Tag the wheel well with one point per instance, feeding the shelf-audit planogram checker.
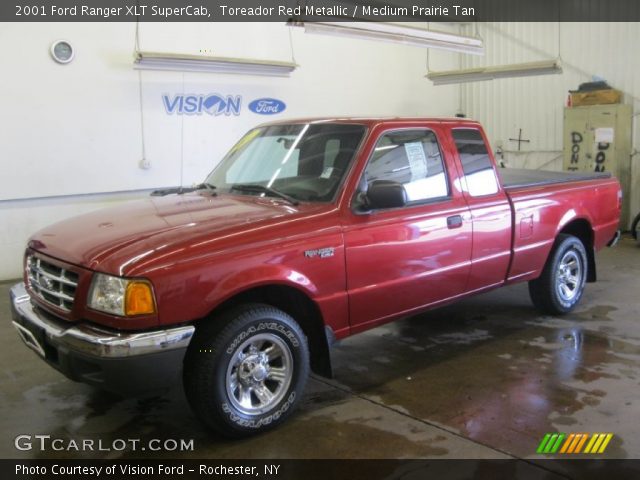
(581, 229)
(303, 310)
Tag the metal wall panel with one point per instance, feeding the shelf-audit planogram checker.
(535, 104)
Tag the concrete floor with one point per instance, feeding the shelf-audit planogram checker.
(485, 378)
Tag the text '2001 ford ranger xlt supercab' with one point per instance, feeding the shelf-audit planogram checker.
(306, 232)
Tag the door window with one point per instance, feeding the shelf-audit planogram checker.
(413, 159)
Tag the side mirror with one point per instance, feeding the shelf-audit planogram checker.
(385, 194)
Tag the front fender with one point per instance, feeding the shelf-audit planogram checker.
(260, 276)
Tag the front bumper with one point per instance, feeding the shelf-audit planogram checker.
(121, 362)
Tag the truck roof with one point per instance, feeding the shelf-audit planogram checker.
(371, 121)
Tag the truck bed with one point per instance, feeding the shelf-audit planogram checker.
(519, 177)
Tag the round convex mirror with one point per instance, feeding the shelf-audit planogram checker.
(62, 51)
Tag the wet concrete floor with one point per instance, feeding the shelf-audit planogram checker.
(484, 378)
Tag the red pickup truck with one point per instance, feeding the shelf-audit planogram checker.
(306, 232)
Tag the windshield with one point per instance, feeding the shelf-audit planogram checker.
(306, 162)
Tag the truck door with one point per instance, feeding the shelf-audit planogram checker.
(490, 210)
(401, 259)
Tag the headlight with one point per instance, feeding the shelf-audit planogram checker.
(121, 296)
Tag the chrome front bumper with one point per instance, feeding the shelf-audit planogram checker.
(122, 362)
(91, 340)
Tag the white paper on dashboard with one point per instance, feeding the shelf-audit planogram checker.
(417, 160)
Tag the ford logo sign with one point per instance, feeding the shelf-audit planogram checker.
(267, 106)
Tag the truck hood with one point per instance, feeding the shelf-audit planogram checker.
(112, 240)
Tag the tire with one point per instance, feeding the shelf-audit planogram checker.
(560, 286)
(634, 226)
(245, 371)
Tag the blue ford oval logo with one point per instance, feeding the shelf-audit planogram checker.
(267, 106)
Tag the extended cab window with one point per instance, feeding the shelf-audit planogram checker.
(476, 164)
(412, 158)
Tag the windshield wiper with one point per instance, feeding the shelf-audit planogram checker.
(255, 188)
(180, 190)
(206, 186)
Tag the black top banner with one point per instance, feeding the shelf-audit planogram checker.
(320, 10)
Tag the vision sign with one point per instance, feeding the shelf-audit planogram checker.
(212, 104)
(215, 104)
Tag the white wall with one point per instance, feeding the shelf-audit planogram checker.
(70, 136)
(536, 104)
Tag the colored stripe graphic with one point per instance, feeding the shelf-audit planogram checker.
(581, 442)
(543, 443)
(593, 439)
(551, 443)
(567, 443)
(606, 441)
(600, 443)
(558, 443)
(574, 443)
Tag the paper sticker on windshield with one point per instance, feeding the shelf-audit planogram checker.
(417, 160)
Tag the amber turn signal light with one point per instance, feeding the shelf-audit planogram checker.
(139, 299)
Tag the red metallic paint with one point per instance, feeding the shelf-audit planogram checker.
(492, 223)
(400, 260)
(551, 208)
(199, 250)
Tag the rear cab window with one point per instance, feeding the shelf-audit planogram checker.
(476, 164)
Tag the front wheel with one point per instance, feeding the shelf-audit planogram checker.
(246, 370)
(561, 284)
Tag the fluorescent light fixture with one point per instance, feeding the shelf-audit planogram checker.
(449, 77)
(209, 64)
(394, 33)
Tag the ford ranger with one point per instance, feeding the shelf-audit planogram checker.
(306, 232)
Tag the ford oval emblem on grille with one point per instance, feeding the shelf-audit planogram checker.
(267, 106)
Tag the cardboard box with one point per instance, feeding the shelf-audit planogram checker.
(596, 97)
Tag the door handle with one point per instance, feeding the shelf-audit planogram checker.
(454, 221)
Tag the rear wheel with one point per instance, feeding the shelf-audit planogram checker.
(561, 284)
(245, 371)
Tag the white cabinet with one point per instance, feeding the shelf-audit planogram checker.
(598, 138)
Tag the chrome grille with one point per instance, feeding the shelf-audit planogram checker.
(52, 283)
